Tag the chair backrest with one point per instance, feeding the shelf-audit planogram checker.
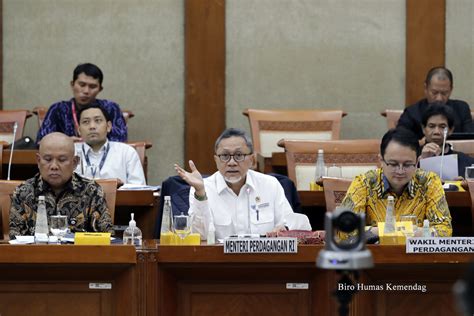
(392, 117)
(464, 146)
(470, 184)
(109, 186)
(7, 120)
(269, 126)
(334, 191)
(6, 191)
(40, 112)
(352, 156)
(141, 148)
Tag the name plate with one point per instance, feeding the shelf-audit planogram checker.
(261, 245)
(440, 245)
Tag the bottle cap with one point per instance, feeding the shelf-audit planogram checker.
(320, 151)
(426, 223)
(41, 198)
(167, 198)
(132, 222)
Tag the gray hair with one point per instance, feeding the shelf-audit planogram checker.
(234, 132)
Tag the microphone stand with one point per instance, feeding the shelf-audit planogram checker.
(445, 135)
(15, 126)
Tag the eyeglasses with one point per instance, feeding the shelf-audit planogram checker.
(238, 157)
(394, 166)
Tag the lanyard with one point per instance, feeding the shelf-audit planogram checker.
(74, 116)
(102, 161)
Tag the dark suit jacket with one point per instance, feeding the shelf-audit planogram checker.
(412, 115)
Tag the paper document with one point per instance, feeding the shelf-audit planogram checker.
(450, 166)
(139, 187)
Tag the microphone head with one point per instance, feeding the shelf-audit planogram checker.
(15, 126)
(445, 132)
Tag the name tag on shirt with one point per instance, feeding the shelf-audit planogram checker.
(261, 245)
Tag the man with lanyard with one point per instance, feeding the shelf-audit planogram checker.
(63, 116)
(416, 192)
(101, 158)
(65, 192)
(237, 200)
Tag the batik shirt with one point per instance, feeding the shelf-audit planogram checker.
(423, 196)
(60, 118)
(82, 200)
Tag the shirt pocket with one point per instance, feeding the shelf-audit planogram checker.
(263, 221)
(223, 225)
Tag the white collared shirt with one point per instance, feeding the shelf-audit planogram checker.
(260, 206)
(122, 162)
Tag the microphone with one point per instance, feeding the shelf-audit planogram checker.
(249, 227)
(445, 135)
(15, 126)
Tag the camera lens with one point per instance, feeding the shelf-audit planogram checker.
(346, 221)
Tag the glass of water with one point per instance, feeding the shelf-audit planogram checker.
(58, 226)
(182, 225)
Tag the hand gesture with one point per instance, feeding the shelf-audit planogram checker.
(430, 150)
(193, 178)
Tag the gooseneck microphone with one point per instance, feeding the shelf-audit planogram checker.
(15, 126)
(445, 135)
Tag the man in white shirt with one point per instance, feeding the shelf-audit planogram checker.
(101, 158)
(237, 200)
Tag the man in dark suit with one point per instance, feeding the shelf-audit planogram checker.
(438, 88)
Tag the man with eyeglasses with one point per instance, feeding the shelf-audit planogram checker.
(438, 88)
(235, 199)
(416, 192)
(435, 120)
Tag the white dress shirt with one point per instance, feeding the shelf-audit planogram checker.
(121, 162)
(260, 206)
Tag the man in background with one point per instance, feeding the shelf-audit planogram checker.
(86, 84)
(436, 118)
(101, 158)
(438, 88)
(65, 192)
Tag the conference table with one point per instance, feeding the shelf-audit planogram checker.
(202, 280)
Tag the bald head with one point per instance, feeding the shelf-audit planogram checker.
(56, 160)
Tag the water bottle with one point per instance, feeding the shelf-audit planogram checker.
(132, 234)
(41, 226)
(389, 227)
(426, 228)
(320, 170)
(211, 234)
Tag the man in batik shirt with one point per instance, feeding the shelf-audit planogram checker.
(416, 192)
(65, 192)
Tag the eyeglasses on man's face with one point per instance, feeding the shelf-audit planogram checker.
(395, 166)
(238, 157)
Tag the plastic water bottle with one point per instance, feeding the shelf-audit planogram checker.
(41, 226)
(389, 227)
(426, 228)
(320, 170)
(132, 234)
(211, 234)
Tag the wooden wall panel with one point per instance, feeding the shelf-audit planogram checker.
(204, 80)
(425, 43)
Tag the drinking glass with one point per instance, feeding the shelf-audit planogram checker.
(410, 218)
(469, 173)
(58, 226)
(335, 171)
(182, 225)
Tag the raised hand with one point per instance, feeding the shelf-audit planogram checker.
(192, 178)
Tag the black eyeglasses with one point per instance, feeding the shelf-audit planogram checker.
(394, 166)
(238, 157)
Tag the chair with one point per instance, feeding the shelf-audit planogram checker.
(109, 186)
(40, 112)
(470, 184)
(334, 191)
(6, 191)
(7, 120)
(269, 126)
(141, 148)
(464, 146)
(353, 156)
(392, 117)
